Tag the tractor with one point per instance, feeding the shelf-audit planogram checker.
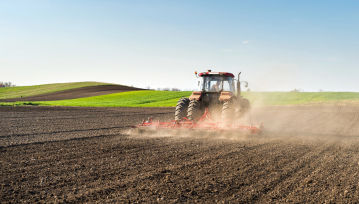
(215, 106)
(217, 96)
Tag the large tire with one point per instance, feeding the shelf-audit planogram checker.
(194, 110)
(244, 106)
(228, 111)
(181, 109)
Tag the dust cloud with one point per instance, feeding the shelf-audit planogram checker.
(322, 123)
(334, 123)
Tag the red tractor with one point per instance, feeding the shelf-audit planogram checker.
(217, 95)
(215, 106)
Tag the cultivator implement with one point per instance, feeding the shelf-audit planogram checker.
(204, 123)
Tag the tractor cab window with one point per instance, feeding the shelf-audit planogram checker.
(217, 83)
(228, 84)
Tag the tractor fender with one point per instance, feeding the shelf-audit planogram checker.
(225, 96)
(196, 95)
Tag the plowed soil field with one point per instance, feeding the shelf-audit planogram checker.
(58, 154)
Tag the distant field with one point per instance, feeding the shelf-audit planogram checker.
(124, 99)
(148, 98)
(24, 91)
(297, 98)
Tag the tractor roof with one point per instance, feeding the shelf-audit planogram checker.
(209, 73)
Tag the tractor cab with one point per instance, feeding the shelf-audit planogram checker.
(216, 82)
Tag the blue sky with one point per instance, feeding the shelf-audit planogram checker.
(278, 45)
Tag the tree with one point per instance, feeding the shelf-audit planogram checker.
(6, 84)
(295, 90)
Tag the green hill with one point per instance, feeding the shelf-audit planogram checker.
(24, 91)
(125, 99)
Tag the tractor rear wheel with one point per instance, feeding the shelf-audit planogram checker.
(244, 107)
(194, 110)
(228, 111)
(181, 109)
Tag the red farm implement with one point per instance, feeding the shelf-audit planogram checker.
(205, 123)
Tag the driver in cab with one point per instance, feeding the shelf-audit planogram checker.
(216, 87)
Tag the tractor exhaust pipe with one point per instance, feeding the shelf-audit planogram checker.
(239, 85)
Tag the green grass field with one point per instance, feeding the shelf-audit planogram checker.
(298, 98)
(124, 99)
(170, 98)
(24, 91)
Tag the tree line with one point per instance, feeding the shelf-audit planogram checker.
(6, 84)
